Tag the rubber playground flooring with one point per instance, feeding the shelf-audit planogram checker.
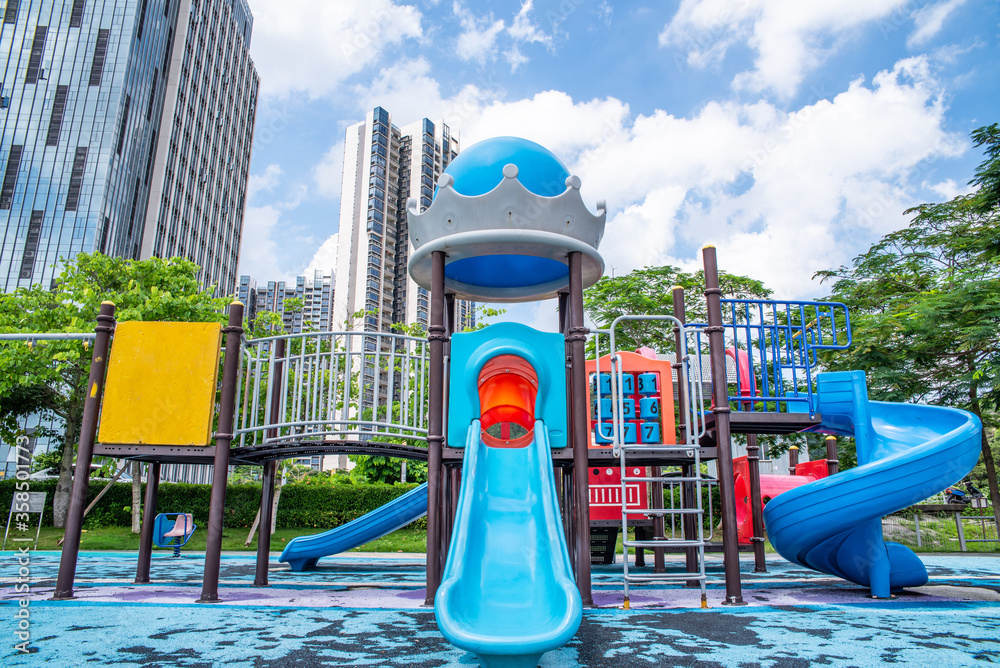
(365, 609)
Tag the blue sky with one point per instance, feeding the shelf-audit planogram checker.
(789, 133)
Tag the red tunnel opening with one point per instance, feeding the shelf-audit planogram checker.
(508, 386)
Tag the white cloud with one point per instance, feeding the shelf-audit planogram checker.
(265, 225)
(479, 35)
(780, 194)
(515, 58)
(523, 30)
(329, 173)
(314, 45)
(929, 20)
(790, 37)
(264, 182)
(325, 258)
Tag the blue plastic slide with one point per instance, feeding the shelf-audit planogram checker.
(303, 552)
(906, 453)
(507, 592)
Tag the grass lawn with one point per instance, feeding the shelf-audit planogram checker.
(121, 538)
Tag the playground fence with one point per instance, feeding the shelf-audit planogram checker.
(942, 532)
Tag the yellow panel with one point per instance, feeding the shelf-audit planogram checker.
(160, 388)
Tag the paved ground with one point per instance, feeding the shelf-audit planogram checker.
(366, 610)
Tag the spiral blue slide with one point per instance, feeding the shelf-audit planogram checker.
(906, 453)
(303, 552)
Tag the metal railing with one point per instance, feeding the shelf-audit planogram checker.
(775, 346)
(333, 385)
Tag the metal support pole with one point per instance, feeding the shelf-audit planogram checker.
(85, 453)
(756, 504)
(264, 533)
(720, 397)
(436, 336)
(577, 338)
(220, 470)
(148, 522)
(961, 530)
(832, 462)
(793, 459)
(270, 474)
(916, 527)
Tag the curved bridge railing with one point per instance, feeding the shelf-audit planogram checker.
(329, 387)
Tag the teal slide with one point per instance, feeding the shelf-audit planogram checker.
(507, 592)
(906, 453)
(303, 552)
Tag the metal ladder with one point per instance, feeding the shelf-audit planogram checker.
(688, 451)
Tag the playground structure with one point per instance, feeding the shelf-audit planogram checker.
(516, 448)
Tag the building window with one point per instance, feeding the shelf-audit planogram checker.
(142, 20)
(124, 123)
(152, 94)
(35, 59)
(31, 245)
(10, 13)
(76, 178)
(55, 121)
(100, 53)
(10, 176)
(76, 14)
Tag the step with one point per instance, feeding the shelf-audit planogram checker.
(665, 577)
(666, 543)
(665, 511)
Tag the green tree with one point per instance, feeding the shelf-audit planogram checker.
(50, 377)
(925, 309)
(648, 291)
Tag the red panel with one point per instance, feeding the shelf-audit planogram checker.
(605, 492)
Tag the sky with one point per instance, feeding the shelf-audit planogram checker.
(791, 134)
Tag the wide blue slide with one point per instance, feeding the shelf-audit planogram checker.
(906, 453)
(507, 592)
(303, 552)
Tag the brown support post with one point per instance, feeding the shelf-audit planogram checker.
(720, 398)
(148, 520)
(270, 474)
(567, 481)
(85, 453)
(756, 504)
(264, 528)
(577, 337)
(220, 470)
(832, 462)
(436, 336)
(793, 459)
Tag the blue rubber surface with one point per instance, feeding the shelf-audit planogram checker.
(507, 591)
(906, 453)
(303, 552)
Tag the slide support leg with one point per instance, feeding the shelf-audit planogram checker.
(148, 520)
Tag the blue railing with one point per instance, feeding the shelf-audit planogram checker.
(774, 346)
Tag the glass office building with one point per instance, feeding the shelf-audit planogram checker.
(127, 129)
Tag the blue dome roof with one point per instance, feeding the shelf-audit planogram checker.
(479, 168)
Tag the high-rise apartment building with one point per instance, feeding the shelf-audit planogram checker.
(127, 128)
(383, 166)
(315, 294)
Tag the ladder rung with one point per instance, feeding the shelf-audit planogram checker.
(664, 543)
(665, 511)
(658, 479)
(663, 577)
(659, 448)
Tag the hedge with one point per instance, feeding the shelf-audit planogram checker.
(300, 505)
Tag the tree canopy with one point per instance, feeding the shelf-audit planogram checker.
(925, 305)
(648, 291)
(49, 377)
